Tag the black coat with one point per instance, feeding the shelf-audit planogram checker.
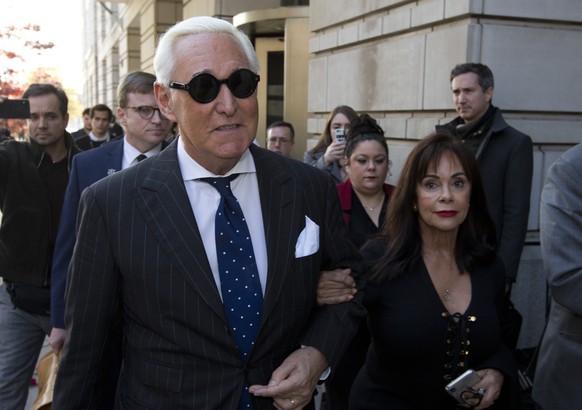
(25, 228)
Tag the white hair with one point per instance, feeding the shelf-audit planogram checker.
(165, 57)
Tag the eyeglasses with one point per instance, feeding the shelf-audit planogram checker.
(204, 87)
(146, 112)
(472, 398)
(281, 141)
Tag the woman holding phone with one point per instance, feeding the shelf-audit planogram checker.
(328, 153)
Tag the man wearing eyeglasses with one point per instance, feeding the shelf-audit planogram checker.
(281, 137)
(145, 131)
(151, 249)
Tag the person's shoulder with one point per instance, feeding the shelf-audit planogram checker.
(573, 155)
(21, 147)
(448, 126)
(79, 133)
(113, 138)
(9, 143)
(82, 138)
(83, 142)
(313, 155)
(567, 165)
(94, 153)
(502, 127)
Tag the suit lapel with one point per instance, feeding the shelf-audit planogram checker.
(277, 192)
(163, 201)
(173, 224)
(114, 155)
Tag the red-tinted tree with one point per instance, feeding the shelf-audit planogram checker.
(15, 44)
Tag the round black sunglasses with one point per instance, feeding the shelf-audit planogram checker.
(205, 87)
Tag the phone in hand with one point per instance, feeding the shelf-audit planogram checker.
(14, 109)
(340, 135)
(463, 384)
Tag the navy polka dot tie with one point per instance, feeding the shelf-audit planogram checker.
(239, 278)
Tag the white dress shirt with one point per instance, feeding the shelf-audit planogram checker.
(204, 200)
(130, 153)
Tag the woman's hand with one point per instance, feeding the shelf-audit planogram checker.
(335, 286)
(491, 381)
(334, 152)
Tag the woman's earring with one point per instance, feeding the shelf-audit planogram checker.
(414, 208)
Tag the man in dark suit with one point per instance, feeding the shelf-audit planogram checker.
(147, 251)
(145, 132)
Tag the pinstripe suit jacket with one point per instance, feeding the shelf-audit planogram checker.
(139, 254)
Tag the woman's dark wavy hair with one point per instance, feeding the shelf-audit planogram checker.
(476, 240)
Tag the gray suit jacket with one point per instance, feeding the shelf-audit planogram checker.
(139, 255)
(558, 377)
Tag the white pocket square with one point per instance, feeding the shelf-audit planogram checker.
(308, 241)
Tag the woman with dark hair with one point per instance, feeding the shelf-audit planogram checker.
(328, 153)
(436, 289)
(364, 197)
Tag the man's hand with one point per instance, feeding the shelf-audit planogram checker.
(57, 339)
(292, 384)
(335, 286)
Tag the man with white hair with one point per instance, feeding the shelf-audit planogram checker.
(210, 252)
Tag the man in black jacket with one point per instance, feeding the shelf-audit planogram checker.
(505, 158)
(33, 178)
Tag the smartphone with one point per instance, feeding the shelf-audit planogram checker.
(340, 135)
(461, 384)
(13, 109)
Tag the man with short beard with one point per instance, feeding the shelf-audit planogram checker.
(33, 178)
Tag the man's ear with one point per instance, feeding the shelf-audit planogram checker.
(489, 93)
(121, 116)
(164, 101)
